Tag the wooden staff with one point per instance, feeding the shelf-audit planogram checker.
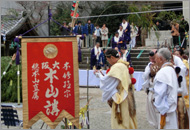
(75, 12)
(88, 92)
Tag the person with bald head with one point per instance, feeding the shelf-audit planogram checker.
(118, 92)
(165, 91)
(148, 77)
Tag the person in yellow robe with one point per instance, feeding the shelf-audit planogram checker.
(118, 91)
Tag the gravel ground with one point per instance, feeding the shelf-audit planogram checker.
(100, 114)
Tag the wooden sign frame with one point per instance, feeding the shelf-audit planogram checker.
(64, 114)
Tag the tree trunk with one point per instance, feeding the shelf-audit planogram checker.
(144, 35)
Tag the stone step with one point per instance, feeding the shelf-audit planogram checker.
(84, 62)
(142, 70)
(142, 55)
(85, 59)
(136, 63)
(85, 55)
(84, 66)
(140, 59)
(139, 67)
(138, 51)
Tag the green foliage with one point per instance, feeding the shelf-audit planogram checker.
(112, 22)
(143, 20)
(8, 90)
(62, 14)
(168, 15)
(134, 17)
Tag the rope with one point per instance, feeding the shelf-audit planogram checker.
(60, 24)
(35, 27)
(107, 15)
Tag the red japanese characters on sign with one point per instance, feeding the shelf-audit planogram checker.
(50, 79)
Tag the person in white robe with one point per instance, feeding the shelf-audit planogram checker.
(165, 91)
(120, 31)
(148, 85)
(95, 53)
(182, 93)
(134, 33)
(179, 63)
(118, 91)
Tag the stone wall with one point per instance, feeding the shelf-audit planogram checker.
(186, 10)
(152, 40)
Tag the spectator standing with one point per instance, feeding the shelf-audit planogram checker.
(175, 32)
(78, 30)
(183, 28)
(134, 32)
(158, 25)
(98, 34)
(104, 33)
(64, 29)
(70, 29)
(88, 31)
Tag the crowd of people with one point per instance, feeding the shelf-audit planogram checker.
(125, 35)
(166, 82)
(167, 86)
(94, 33)
(166, 77)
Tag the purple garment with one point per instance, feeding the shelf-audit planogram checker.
(92, 59)
(16, 40)
(114, 43)
(127, 35)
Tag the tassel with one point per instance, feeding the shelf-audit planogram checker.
(163, 121)
(17, 56)
(16, 40)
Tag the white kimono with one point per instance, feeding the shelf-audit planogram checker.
(179, 63)
(152, 117)
(109, 87)
(120, 32)
(134, 32)
(124, 58)
(96, 50)
(165, 94)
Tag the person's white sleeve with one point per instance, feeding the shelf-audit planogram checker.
(109, 86)
(146, 77)
(119, 98)
(178, 62)
(146, 73)
(160, 95)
